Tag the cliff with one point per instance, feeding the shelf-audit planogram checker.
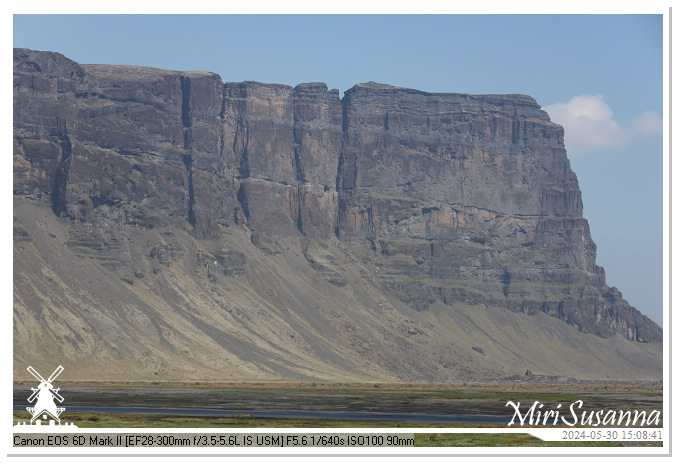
(262, 218)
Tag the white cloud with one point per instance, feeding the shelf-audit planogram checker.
(648, 123)
(589, 124)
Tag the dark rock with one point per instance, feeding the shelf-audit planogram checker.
(450, 198)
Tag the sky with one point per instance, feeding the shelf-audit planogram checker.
(600, 76)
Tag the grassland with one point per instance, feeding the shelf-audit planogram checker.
(104, 420)
(403, 398)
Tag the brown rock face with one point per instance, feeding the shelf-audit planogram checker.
(439, 199)
(283, 145)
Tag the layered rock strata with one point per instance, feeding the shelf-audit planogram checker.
(446, 198)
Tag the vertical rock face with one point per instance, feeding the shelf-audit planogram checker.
(475, 192)
(160, 127)
(494, 153)
(283, 146)
(451, 198)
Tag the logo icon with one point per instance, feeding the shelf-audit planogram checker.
(45, 407)
(46, 394)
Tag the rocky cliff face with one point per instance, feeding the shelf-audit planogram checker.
(442, 202)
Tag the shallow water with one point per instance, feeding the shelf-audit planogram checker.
(442, 406)
(437, 418)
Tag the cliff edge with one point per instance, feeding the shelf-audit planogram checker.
(303, 235)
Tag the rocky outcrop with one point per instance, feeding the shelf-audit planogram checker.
(476, 193)
(446, 198)
(282, 145)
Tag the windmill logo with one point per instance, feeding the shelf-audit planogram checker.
(46, 394)
(45, 407)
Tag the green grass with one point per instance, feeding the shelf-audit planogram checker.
(426, 398)
(106, 420)
(495, 440)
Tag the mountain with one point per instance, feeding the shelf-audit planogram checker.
(169, 225)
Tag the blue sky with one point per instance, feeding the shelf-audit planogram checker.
(601, 76)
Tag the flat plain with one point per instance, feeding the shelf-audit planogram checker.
(462, 400)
